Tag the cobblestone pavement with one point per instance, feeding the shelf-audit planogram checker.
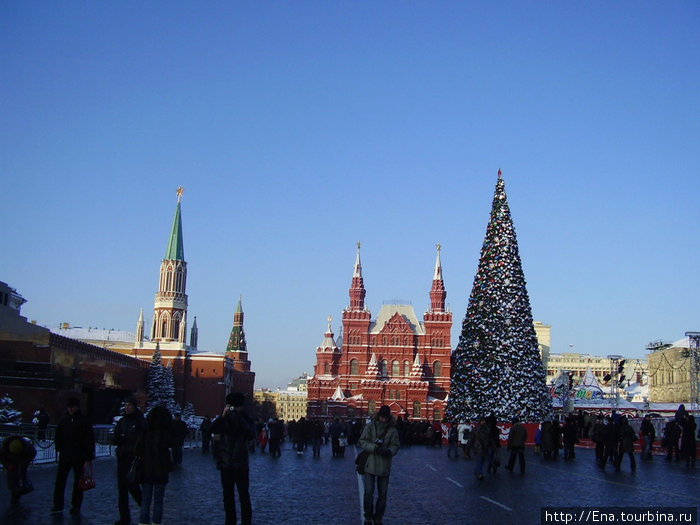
(425, 488)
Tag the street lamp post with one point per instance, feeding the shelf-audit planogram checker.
(615, 361)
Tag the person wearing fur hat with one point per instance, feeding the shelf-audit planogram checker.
(236, 429)
(16, 453)
(381, 441)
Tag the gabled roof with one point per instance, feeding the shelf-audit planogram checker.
(404, 310)
(337, 395)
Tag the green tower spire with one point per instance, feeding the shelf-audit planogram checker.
(176, 248)
(236, 341)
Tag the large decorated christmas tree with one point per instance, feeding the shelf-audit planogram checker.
(496, 366)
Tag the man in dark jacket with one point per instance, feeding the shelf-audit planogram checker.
(179, 433)
(75, 444)
(648, 434)
(125, 434)
(627, 439)
(236, 429)
(516, 445)
(599, 437)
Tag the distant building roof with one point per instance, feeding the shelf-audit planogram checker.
(405, 310)
(95, 334)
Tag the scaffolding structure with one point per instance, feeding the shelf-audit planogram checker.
(693, 366)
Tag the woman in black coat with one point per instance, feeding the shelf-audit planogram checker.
(153, 448)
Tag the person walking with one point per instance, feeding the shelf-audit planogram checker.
(205, 430)
(599, 435)
(381, 441)
(570, 434)
(612, 438)
(16, 453)
(480, 447)
(236, 429)
(153, 448)
(179, 433)
(75, 445)
(516, 444)
(453, 440)
(688, 440)
(126, 431)
(648, 435)
(627, 439)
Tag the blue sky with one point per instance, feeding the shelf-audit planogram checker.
(298, 128)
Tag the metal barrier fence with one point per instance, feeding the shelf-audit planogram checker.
(43, 440)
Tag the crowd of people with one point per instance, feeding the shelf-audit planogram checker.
(148, 449)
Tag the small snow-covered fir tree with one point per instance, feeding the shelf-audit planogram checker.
(9, 415)
(188, 413)
(497, 367)
(160, 389)
(170, 390)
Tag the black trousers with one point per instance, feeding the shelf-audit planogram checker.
(239, 479)
(520, 453)
(124, 487)
(59, 488)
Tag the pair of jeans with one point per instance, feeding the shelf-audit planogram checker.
(479, 467)
(152, 492)
(64, 467)
(238, 478)
(124, 488)
(375, 512)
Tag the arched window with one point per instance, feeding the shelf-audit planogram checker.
(437, 369)
(371, 406)
(437, 416)
(416, 409)
(383, 368)
(164, 327)
(406, 369)
(395, 368)
(178, 285)
(169, 280)
(326, 368)
(354, 368)
(176, 328)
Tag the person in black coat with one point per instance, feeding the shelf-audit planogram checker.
(153, 448)
(648, 434)
(179, 433)
(599, 437)
(612, 439)
(627, 438)
(124, 436)
(236, 429)
(16, 453)
(75, 445)
(570, 437)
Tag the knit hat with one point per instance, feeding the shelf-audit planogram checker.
(235, 399)
(385, 411)
(131, 400)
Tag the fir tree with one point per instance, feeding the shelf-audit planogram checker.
(170, 390)
(496, 367)
(160, 391)
(8, 415)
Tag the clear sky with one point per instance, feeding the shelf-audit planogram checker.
(299, 128)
